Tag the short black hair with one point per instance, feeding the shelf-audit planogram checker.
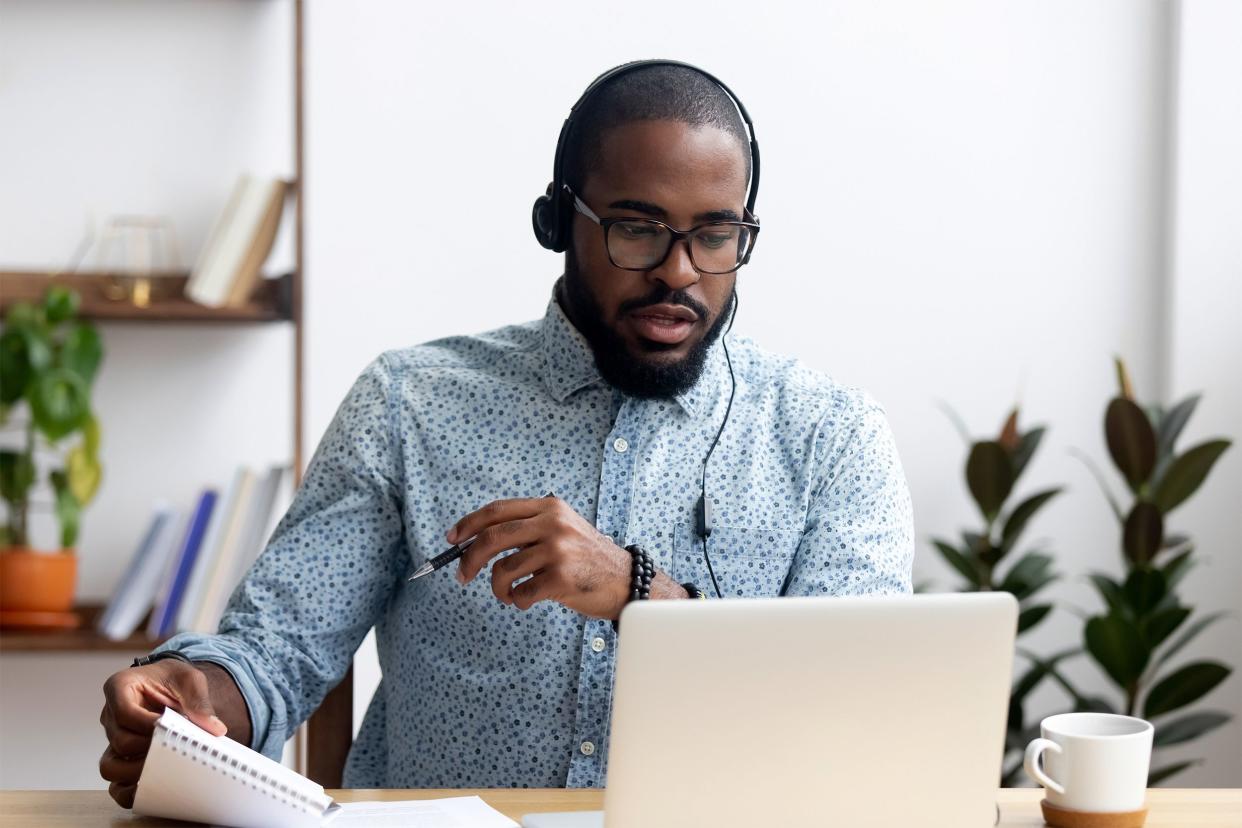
(660, 92)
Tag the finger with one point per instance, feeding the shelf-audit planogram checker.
(542, 586)
(123, 794)
(495, 539)
(122, 769)
(497, 511)
(131, 704)
(516, 567)
(193, 693)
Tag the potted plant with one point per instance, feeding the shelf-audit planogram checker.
(993, 467)
(1144, 623)
(48, 361)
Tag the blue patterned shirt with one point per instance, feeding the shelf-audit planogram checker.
(807, 491)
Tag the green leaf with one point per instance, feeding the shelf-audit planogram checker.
(68, 510)
(959, 424)
(1131, 441)
(1157, 776)
(1171, 424)
(1029, 568)
(989, 474)
(959, 562)
(1177, 567)
(84, 473)
(1111, 592)
(59, 402)
(90, 436)
(1031, 616)
(23, 354)
(1164, 623)
(1026, 449)
(17, 475)
(1143, 531)
(1183, 687)
(82, 351)
(1115, 644)
(1021, 514)
(1144, 589)
(1188, 727)
(60, 303)
(1188, 635)
(1099, 479)
(1040, 667)
(1186, 473)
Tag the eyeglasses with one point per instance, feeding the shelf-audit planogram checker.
(716, 247)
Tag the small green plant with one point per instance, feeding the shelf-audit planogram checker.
(992, 471)
(48, 361)
(1133, 640)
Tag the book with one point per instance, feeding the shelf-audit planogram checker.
(220, 584)
(161, 622)
(189, 774)
(209, 555)
(135, 592)
(230, 264)
(234, 562)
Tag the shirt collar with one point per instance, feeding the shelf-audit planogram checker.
(570, 364)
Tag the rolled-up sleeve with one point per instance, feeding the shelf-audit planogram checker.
(859, 535)
(292, 625)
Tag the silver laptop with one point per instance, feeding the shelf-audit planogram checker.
(879, 711)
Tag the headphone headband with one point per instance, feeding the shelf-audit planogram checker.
(551, 215)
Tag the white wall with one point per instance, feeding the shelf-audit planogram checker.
(962, 201)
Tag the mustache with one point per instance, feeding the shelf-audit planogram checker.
(665, 297)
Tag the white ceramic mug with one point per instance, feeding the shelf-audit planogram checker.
(1094, 762)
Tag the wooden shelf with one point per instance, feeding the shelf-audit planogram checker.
(83, 639)
(272, 302)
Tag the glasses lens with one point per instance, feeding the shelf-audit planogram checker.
(637, 244)
(720, 248)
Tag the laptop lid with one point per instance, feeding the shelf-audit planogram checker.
(811, 711)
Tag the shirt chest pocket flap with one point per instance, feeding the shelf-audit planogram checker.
(747, 562)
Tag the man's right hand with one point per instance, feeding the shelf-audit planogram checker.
(133, 701)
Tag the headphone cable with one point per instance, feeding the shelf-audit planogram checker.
(704, 525)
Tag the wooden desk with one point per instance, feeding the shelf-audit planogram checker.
(1170, 808)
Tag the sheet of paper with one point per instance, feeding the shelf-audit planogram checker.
(455, 812)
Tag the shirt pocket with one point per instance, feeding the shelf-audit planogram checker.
(749, 563)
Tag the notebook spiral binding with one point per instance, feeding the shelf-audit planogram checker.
(198, 751)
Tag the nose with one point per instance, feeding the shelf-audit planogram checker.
(676, 271)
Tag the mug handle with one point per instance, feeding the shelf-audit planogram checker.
(1034, 767)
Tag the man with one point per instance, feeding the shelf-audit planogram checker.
(623, 401)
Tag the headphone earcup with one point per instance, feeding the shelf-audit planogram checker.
(546, 222)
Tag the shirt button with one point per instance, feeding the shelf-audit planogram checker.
(587, 748)
(620, 444)
(598, 645)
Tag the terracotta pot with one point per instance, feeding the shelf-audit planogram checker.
(33, 581)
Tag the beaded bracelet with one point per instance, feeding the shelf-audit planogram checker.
(642, 570)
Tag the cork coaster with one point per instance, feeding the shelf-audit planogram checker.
(1065, 818)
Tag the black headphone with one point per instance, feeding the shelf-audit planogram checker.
(552, 212)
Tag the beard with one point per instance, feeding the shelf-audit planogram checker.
(636, 374)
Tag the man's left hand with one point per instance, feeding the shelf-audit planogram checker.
(566, 558)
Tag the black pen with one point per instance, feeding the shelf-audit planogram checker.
(449, 555)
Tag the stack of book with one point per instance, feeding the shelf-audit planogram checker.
(230, 265)
(188, 563)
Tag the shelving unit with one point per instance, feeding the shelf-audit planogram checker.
(278, 301)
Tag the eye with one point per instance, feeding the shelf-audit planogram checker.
(635, 230)
(717, 237)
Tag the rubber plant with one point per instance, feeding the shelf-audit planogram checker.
(48, 360)
(1145, 624)
(983, 557)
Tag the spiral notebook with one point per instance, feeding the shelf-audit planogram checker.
(192, 775)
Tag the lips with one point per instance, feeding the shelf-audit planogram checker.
(667, 324)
